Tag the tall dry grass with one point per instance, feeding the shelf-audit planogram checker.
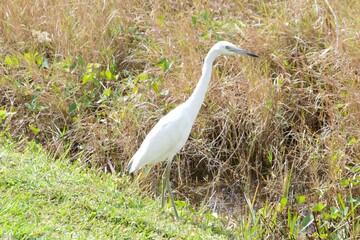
(290, 116)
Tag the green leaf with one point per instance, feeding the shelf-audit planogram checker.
(107, 92)
(86, 78)
(319, 207)
(15, 60)
(80, 61)
(134, 90)
(352, 141)
(300, 199)
(8, 61)
(309, 219)
(205, 35)
(27, 56)
(353, 200)
(340, 105)
(96, 81)
(193, 20)
(44, 63)
(205, 15)
(39, 61)
(141, 77)
(345, 182)
(108, 74)
(72, 107)
(3, 115)
(155, 87)
(72, 66)
(34, 129)
(165, 64)
(55, 88)
(334, 212)
(341, 202)
(355, 169)
(270, 157)
(180, 204)
(283, 201)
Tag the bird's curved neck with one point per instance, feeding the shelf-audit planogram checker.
(197, 97)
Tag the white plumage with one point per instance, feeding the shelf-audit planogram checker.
(169, 135)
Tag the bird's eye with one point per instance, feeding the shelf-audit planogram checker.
(227, 47)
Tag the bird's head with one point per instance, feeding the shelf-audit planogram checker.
(227, 48)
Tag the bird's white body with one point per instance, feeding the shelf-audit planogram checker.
(169, 135)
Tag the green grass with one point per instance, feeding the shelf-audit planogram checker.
(43, 198)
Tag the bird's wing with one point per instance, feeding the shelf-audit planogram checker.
(163, 141)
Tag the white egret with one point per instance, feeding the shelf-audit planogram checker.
(169, 135)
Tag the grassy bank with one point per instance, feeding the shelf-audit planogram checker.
(43, 198)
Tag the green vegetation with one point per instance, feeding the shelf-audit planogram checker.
(59, 200)
(274, 153)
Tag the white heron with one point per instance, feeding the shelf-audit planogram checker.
(169, 135)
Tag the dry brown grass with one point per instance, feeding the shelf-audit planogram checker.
(293, 115)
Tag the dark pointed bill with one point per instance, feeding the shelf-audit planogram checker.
(241, 51)
(251, 54)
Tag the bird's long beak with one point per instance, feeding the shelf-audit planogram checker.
(241, 51)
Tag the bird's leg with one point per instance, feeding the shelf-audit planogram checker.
(166, 183)
(172, 199)
(165, 176)
(163, 189)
